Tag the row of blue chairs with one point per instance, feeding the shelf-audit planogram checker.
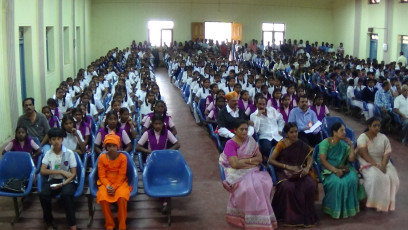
(166, 174)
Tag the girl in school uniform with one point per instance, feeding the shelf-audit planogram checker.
(160, 108)
(53, 105)
(245, 103)
(112, 124)
(292, 96)
(229, 86)
(275, 100)
(126, 122)
(285, 108)
(82, 125)
(211, 97)
(52, 120)
(156, 91)
(265, 92)
(204, 91)
(157, 138)
(319, 107)
(85, 118)
(92, 98)
(147, 105)
(220, 93)
(64, 102)
(74, 140)
(22, 142)
(212, 116)
(90, 108)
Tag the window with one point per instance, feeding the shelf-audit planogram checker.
(373, 1)
(49, 46)
(273, 33)
(160, 32)
(218, 31)
(66, 45)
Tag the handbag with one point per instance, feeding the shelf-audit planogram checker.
(14, 185)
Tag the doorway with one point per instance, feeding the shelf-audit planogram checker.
(160, 33)
(218, 31)
(404, 45)
(373, 46)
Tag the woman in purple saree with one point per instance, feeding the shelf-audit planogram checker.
(249, 205)
(294, 197)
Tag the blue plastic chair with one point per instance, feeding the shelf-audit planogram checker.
(329, 121)
(222, 173)
(271, 169)
(131, 175)
(17, 165)
(316, 165)
(186, 93)
(80, 178)
(167, 174)
(200, 110)
(215, 137)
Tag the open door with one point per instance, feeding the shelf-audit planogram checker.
(197, 30)
(236, 31)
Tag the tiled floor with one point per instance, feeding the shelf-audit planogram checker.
(205, 207)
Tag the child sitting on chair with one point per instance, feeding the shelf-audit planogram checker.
(112, 184)
(158, 138)
(60, 165)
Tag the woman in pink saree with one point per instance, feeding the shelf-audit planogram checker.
(249, 205)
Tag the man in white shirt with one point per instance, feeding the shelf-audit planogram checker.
(402, 59)
(271, 129)
(247, 55)
(401, 107)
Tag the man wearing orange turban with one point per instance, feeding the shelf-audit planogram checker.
(112, 184)
(228, 115)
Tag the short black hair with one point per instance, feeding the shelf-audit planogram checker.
(56, 132)
(28, 98)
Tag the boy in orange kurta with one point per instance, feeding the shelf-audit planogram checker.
(112, 183)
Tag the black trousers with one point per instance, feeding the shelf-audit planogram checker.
(67, 197)
(265, 146)
(310, 138)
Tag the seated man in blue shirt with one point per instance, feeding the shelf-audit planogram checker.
(305, 118)
(383, 100)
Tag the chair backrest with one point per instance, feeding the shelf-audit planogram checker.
(16, 164)
(316, 165)
(35, 139)
(80, 177)
(328, 122)
(131, 175)
(168, 164)
(271, 169)
(201, 105)
(357, 94)
(222, 173)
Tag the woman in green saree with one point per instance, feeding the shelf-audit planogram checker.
(340, 181)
